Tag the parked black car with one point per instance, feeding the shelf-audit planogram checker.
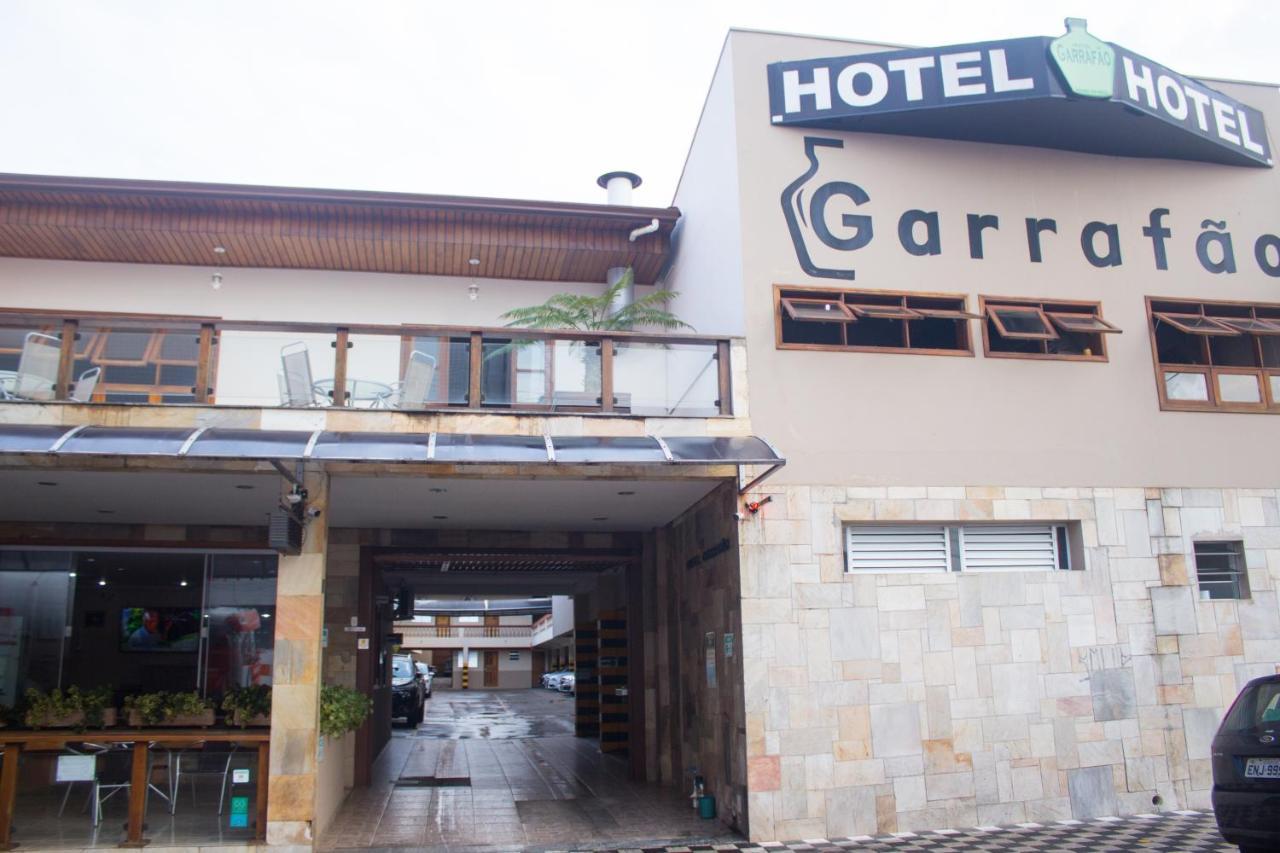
(1246, 768)
(408, 696)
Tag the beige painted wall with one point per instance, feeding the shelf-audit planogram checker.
(859, 418)
(320, 296)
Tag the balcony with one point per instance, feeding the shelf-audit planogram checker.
(421, 636)
(205, 361)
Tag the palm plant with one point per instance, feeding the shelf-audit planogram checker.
(596, 314)
(587, 313)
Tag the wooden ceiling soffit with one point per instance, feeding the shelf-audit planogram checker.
(170, 223)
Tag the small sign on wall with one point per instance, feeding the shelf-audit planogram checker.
(239, 817)
(240, 776)
(709, 647)
(728, 646)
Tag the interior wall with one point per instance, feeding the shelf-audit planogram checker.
(695, 683)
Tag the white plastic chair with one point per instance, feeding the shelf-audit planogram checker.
(37, 377)
(82, 391)
(299, 388)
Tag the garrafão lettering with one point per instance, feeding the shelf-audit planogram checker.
(920, 232)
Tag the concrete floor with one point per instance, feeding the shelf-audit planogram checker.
(501, 770)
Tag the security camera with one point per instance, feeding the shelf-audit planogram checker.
(313, 512)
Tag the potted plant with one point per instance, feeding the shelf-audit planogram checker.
(248, 706)
(169, 709)
(342, 710)
(71, 708)
(595, 314)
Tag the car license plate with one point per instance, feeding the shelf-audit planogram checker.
(1262, 768)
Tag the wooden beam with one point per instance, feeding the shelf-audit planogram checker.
(204, 365)
(137, 795)
(725, 377)
(66, 360)
(341, 343)
(260, 807)
(606, 375)
(477, 361)
(8, 793)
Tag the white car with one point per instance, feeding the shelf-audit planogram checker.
(428, 674)
(567, 683)
(551, 680)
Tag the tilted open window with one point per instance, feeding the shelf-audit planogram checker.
(873, 321)
(1216, 356)
(1018, 328)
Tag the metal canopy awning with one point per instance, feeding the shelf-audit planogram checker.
(383, 447)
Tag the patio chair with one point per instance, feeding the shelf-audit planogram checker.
(201, 760)
(37, 376)
(113, 773)
(299, 387)
(413, 391)
(82, 391)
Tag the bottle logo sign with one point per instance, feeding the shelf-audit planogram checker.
(1086, 62)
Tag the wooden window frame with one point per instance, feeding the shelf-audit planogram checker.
(1270, 316)
(850, 296)
(1049, 333)
(789, 304)
(1063, 321)
(1047, 308)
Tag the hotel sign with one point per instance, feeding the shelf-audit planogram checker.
(1075, 92)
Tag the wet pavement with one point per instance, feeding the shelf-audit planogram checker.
(492, 770)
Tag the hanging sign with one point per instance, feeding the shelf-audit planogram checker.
(1075, 92)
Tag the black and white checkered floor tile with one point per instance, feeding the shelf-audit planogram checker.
(1169, 832)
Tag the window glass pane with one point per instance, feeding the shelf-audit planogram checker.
(666, 379)
(1021, 321)
(1238, 351)
(374, 376)
(799, 332)
(1186, 386)
(35, 597)
(1174, 346)
(1257, 706)
(451, 383)
(1220, 570)
(876, 332)
(274, 368)
(1274, 381)
(241, 604)
(1238, 388)
(935, 333)
(1270, 350)
(1075, 343)
(997, 342)
(827, 310)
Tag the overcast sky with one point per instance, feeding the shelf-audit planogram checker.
(509, 99)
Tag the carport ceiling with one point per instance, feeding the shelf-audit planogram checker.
(493, 504)
(137, 497)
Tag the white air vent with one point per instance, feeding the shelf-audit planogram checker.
(914, 548)
(1016, 548)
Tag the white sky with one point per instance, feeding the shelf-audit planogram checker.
(526, 99)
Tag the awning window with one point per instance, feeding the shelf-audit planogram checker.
(1196, 324)
(1021, 322)
(817, 310)
(1088, 324)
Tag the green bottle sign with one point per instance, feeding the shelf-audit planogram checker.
(1087, 63)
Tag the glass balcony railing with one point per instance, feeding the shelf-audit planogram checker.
(167, 361)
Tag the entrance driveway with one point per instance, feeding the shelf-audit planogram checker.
(501, 770)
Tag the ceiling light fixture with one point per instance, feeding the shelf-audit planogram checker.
(215, 280)
(626, 493)
(473, 286)
(182, 582)
(102, 581)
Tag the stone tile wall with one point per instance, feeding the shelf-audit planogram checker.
(882, 703)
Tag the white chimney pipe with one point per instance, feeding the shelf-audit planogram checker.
(618, 186)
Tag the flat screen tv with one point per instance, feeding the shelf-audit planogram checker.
(159, 629)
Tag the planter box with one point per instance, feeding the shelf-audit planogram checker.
(256, 721)
(76, 720)
(194, 721)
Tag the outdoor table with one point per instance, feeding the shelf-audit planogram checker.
(366, 391)
(138, 739)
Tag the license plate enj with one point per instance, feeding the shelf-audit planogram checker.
(1262, 768)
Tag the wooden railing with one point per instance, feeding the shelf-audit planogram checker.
(210, 361)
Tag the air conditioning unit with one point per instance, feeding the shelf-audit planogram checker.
(284, 532)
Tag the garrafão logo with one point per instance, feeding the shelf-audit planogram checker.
(1087, 63)
(827, 226)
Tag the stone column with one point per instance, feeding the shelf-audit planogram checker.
(295, 694)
